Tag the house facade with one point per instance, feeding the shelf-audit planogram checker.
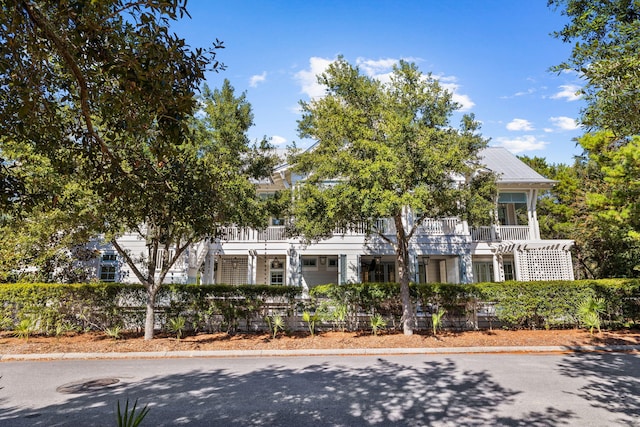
(445, 250)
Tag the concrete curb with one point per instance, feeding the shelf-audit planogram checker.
(320, 352)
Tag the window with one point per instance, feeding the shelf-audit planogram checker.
(332, 262)
(277, 222)
(512, 209)
(108, 267)
(483, 271)
(310, 263)
(512, 198)
(508, 270)
(277, 278)
(109, 257)
(107, 273)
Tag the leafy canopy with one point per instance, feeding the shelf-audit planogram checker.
(382, 147)
(605, 54)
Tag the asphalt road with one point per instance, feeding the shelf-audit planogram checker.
(588, 389)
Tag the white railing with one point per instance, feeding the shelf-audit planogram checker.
(384, 226)
(514, 232)
(272, 233)
(502, 232)
(482, 234)
(441, 227)
(245, 234)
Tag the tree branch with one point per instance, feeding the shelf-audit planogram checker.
(132, 265)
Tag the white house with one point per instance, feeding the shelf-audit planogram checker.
(446, 250)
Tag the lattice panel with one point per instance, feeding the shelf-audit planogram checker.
(545, 264)
(234, 276)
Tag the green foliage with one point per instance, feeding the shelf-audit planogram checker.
(590, 311)
(101, 106)
(25, 328)
(276, 323)
(113, 332)
(436, 320)
(383, 149)
(130, 417)
(606, 41)
(177, 325)
(311, 320)
(101, 306)
(536, 304)
(377, 322)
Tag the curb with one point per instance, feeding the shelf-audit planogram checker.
(321, 352)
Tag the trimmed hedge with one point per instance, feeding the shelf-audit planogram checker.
(552, 304)
(56, 308)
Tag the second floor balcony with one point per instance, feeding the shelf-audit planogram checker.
(495, 233)
(429, 227)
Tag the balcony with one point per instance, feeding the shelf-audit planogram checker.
(500, 233)
(429, 227)
(245, 234)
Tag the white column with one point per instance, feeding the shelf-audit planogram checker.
(208, 275)
(534, 230)
(498, 272)
(453, 270)
(253, 268)
(352, 269)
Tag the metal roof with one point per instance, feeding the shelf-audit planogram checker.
(510, 169)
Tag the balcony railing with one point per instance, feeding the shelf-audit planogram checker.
(245, 234)
(502, 232)
(441, 227)
(430, 227)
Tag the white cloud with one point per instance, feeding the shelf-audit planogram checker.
(380, 69)
(308, 78)
(529, 91)
(521, 143)
(258, 78)
(278, 140)
(519, 125)
(450, 84)
(568, 92)
(374, 68)
(564, 123)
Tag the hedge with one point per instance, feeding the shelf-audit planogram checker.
(56, 308)
(553, 304)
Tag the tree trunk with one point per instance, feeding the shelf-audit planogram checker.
(402, 258)
(150, 318)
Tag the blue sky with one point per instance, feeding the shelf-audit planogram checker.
(494, 55)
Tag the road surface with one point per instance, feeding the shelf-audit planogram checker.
(588, 389)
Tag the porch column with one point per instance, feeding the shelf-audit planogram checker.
(498, 272)
(342, 269)
(208, 275)
(517, 265)
(293, 264)
(352, 269)
(534, 228)
(453, 270)
(252, 267)
(465, 266)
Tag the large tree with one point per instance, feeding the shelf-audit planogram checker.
(606, 37)
(106, 94)
(195, 186)
(384, 149)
